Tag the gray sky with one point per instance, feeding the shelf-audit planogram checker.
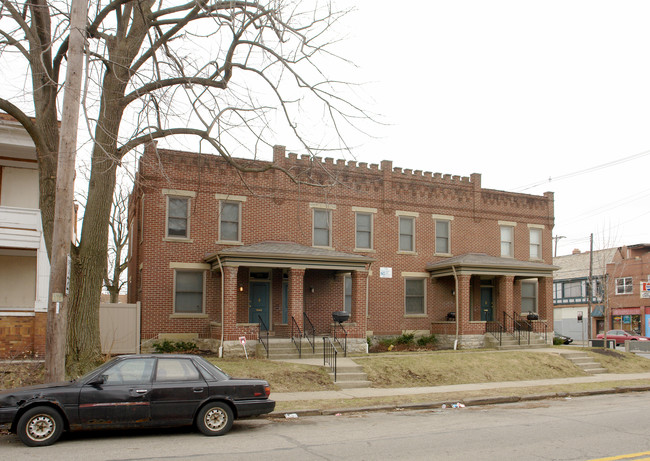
(525, 93)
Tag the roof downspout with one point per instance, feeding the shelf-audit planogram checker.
(222, 307)
(453, 268)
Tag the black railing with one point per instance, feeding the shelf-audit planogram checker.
(517, 328)
(329, 355)
(495, 329)
(344, 335)
(298, 343)
(310, 332)
(264, 343)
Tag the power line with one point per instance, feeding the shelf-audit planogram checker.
(584, 171)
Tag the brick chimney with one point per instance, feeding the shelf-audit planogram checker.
(278, 154)
(576, 251)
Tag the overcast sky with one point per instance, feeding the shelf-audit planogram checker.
(523, 92)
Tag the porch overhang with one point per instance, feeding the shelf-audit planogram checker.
(483, 264)
(287, 255)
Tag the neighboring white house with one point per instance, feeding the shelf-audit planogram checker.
(24, 266)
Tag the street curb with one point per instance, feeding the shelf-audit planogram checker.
(469, 402)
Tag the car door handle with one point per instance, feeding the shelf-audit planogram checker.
(198, 389)
(141, 391)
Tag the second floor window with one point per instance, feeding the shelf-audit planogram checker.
(507, 241)
(406, 233)
(364, 231)
(572, 290)
(229, 223)
(624, 286)
(535, 243)
(322, 228)
(177, 217)
(442, 237)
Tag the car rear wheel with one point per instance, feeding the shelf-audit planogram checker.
(215, 418)
(40, 426)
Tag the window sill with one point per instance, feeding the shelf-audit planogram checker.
(364, 250)
(228, 242)
(412, 253)
(415, 316)
(179, 240)
(324, 247)
(188, 316)
(443, 255)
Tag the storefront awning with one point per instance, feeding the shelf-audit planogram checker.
(482, 264)
(597, 311)
(287, 254)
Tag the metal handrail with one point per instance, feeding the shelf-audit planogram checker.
(495, 329)
(344, 346)
(298, 343)
(329, 355)
(259, 335)
(514, 327)
(306, 323)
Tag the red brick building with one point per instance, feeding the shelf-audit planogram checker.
(214, 250)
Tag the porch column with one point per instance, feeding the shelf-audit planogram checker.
(296, 296)
(229, 303)
(545, 300)
(358, 315)
(464, 295)
(505, 297)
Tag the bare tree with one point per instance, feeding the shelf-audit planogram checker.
(232, 74)
(118, 260)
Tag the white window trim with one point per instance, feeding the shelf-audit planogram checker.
(413, 217)
(169, 193)
(624, 285)
(186, 267)
(313, 225)
(532, 228)
(512, 242)
(239, 226)
(422, 276)
(372, 231)
(448, 219)
(325, 206)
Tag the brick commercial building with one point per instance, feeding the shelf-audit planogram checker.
(219, 253)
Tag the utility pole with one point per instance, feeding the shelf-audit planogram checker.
(556, 238)
(60, 265)
(590, 289)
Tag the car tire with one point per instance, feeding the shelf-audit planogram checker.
(40, 426)
(215, 418)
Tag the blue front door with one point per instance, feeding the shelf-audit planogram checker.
(487, 310)
(259, 303)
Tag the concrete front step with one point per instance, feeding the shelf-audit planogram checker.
(585, 362)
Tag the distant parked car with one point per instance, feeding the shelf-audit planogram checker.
(562, 338)
(620, 336)
(135, 391)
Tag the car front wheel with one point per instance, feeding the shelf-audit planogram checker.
(40, 426)
(215, 418)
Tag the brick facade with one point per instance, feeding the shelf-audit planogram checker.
(275, 208)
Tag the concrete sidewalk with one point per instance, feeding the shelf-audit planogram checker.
(643, 378)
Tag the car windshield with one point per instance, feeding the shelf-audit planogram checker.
(211, 368)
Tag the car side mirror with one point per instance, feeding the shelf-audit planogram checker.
(98, 381)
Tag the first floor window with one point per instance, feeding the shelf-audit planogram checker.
(177, 212)
(188, 292)
(624, 286)
(348, 294)
(528, 297)
(414, 291)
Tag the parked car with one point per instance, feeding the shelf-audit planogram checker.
(620, 336)
(562, 338)
(135, 391)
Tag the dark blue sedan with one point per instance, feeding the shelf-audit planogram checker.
(135, 391)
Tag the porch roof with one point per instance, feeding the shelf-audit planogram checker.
(287, 254)
(483, 264)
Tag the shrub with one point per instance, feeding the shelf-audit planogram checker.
(167, 347)
(405, 338)
(425, 340)
(558, 341)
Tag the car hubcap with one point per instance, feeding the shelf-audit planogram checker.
(40, 427)
(215, 419)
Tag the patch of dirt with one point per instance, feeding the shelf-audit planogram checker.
(608, 352)
(378, 348)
